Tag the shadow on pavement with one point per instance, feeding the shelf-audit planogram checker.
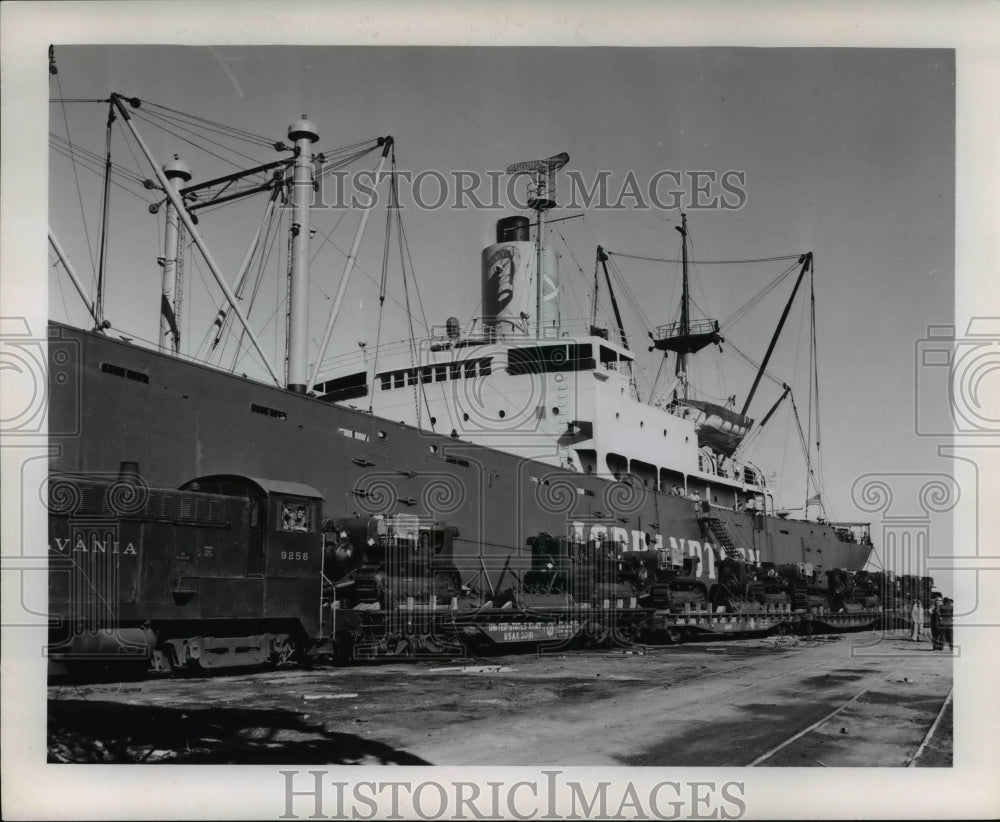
(81, 730)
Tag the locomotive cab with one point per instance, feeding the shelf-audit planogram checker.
(284, 540)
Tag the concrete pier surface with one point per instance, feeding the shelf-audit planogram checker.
(862, 699)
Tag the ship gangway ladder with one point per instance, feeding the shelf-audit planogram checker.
(717, 528)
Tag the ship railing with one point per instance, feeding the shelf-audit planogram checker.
(694, 327)
(730, 470)
(479, 331)
(486, 330)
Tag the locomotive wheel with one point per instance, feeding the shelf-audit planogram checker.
(599, 636)
(285, 652)
(624, 636)
(675, 635)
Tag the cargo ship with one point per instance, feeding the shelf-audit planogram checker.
(520, 422)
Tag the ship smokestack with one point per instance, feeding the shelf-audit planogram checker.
(513, 229)
(509, 282)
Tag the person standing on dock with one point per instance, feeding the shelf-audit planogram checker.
(946, 617)
(936, 623)
(916, 620)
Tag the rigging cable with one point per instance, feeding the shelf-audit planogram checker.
(656, 379)
(418, 383)
(76, 178)
(218, 326)
(705, 262)
(242, 349)
(94, 163)
(593, 310)
(802, 439)
(740, 312)
(636, 307)
(234, 132)
(569, 250)
(156, 123)
(815, 386)
(381, 291)
(328, 238)
(404, 245)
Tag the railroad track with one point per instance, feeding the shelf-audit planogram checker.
(820, 732)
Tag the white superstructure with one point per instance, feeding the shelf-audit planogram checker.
(560, 394)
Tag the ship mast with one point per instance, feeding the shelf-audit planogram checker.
(685, 337)
(186, 218)
(303, 134)
(539, 286)
(176, 173)
(685, 318)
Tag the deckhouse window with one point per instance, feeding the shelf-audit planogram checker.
(549, 358)
(480, 366)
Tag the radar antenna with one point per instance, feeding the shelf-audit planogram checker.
(544, 174)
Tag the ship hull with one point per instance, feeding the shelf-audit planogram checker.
(111, 401)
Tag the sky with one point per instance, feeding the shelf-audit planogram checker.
(848, 153)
